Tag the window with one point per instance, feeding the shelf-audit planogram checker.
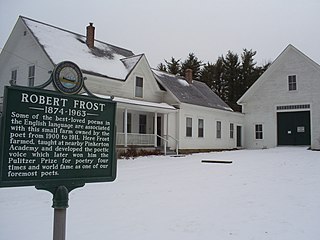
(259, 131)
(292, 82)
(231, 130)
(218, 129)
(189, 127)
(142, 124)
(291, 107)
(31, 75)
(129, 117)
(14, 74)
(200, 128)
(139, 87)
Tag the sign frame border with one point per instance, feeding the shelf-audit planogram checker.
(47, 183)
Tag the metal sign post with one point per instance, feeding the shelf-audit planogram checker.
(57, 141)
(60, 205)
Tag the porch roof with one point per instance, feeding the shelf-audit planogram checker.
(140, 105)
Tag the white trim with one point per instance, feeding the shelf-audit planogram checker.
(291, 107)
(140, 105)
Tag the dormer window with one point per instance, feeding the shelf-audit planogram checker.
(292, 83)
(139, 87)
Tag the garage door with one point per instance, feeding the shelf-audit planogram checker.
(293, 128)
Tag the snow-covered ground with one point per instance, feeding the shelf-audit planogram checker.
(264, 194)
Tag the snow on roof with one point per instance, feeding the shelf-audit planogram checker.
(197, 93)
(62, 45)
(130, 62)
(183, 82)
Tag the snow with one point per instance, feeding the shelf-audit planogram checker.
(63, 45)
(131, 61)
(183, 82)
(264, 194)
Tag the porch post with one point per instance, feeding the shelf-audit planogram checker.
(167, 123)
(155, 129)
(125, 127)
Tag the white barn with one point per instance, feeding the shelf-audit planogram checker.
(282, 106)
(151, 110)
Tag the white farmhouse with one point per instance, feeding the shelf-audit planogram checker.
(153, 108)
(282, 106)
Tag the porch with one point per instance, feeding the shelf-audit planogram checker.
(144, 124)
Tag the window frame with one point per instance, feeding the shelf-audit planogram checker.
(138, 91)
(189, 127)
(200, 128)
(292, 83)
(31, 75)
(231, 128)
(258, 131)
(14, 76)
(218, 129)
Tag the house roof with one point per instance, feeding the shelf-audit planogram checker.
(104, 59)
(197, 93)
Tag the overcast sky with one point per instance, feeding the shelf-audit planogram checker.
(165, 28)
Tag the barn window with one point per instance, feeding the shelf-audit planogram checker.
(292, 82)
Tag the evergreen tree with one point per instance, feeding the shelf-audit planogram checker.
(162, 67)
(193, 63)
(174, 66)
(231, 75)
(208, 74)
(248, 70)
(213, 76)
(261, 69)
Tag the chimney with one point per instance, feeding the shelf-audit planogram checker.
(188, 75)
(90, 36)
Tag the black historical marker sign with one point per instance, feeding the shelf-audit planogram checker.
(49, 138)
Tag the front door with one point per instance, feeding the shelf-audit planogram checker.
(159, 130)
(293, 128)
(239, 136)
